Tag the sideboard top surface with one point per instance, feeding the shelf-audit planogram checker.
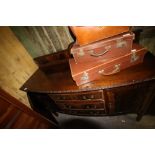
(59, 81)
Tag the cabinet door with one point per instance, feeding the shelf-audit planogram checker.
(127, 98)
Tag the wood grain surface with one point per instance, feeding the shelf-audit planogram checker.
(59, 79)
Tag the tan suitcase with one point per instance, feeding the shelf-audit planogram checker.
(88, 34)
(86, 72)
(103, 50)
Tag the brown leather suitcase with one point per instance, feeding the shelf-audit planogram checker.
(88, 34)
(86, 72)
(103, 50)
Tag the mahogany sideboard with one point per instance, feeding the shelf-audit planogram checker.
(51, 89)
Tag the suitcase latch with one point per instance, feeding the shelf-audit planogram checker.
(120, 43)
(81, 53)
(134, 56)
(85, 76)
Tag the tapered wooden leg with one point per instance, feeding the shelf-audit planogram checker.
(139, 117)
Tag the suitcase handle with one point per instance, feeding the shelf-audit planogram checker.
(100, 54)
(116, 70)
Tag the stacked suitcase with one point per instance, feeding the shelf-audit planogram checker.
(101, 51)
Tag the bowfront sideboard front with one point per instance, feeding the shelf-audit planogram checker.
(51, 89)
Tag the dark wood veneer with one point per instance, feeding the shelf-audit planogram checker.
(126, 91)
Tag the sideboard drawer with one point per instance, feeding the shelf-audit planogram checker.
(89, 95)
(88, 105)
(98, 112)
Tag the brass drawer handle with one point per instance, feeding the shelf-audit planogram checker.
(68, 106)
(88, 97)
(92, 97)
(58, 98)
(84, 97)
(91, 107)
(88, 107)
(63, 97)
